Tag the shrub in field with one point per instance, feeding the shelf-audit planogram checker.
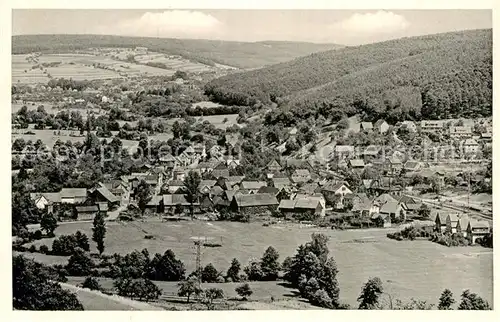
(32, 249)
(471, 301)
(91, 283)
(44, 249)
(66, 244)
(244, 291)
(37, 235)
(79, 264)
(212, 294)
(234, 270)
(189, 287)
(209, 274)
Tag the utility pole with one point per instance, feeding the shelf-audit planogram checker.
(198, 261)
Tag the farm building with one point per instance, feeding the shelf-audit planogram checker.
(302, 208)
(451, 223)
(173, 203)
(102, 194)
(394, 209)
(476, 230)
(410, 125)
(89, 212)
(366, 126)
(460, 132)
(357, 164)
(441, 221)
(42, 199)
(385, 219)
(381, 126)
(462, 224)
(334, 193)
(252, 186)
(431, 125)
(254, 204)
(73, 195)
(273, 166)
(412, 166)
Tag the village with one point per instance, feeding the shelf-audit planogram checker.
(152, 158)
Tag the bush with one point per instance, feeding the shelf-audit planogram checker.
(91, 283)
(32, 249)
(209, 274)
(321, 299)
(243, 277)
(66, 244)
(220, 279)
(37, 235)
(44, 249)
(79, 264)
(244, 291)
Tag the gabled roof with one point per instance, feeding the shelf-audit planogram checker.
(84, 209)
(344, 148)
(252, 185)
(274, 164)
(371, 150)
(479, 224)
(236, 179)
(216, 191)
(464, 222)
(175, 183)
(384, 198)
(366, 125)
(453, 217)
(231, 193)
(107, 194)
(306, 203)
(155, 200)
(207, 183)
(167, 158)
(334, 186)
(367, 183)
(253, 200)
(218, 173)
(73, 192)
(309, 188)
(287, 204)
(379, 122)
(470, 142)
(270, 190)
(411, 165)
(50, 196)
(389, 207)
(189, 149)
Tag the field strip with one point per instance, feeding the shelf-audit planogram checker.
(137, 305)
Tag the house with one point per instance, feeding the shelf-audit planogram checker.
(353, 124)
(334, 194)
(173, 203)
(281, 182)
(431, 125)
(412, 166)
(410, 125)
(89, 212)
(470, 146)
(207, 166)
(476, 230)
(232, 163)
(309, 188)
(462, 225)
(486, 137)
(206, 185)
(43, 199)
(363, 205)
(252, 186)
(102, 194)
(384, 198)
(451, 223)
(381, 126)
(460, 132)
(301, 175)
(174, 186)
(302, 208)
(394, 209)
(366, 126)
(344, 151)
(297, 164)
(357, 164)
(273, 166)
(254, 204)
(440, 221)
(73, 195)
(293, 132)
(396, 163)
(371, 151)
(220, 173)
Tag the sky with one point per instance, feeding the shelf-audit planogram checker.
(347, 27)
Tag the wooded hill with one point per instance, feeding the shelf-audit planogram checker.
(434, 76)
(237, 54)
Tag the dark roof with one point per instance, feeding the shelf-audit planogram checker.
(252, 185)
(254, 200)
(287, 204)
(379, 122)
(389, 207)
(270, 190)
(50, 196)
(83, 209)
(176, 199)
(217, 173)
(306, 203)
(107, 194)
(216, 191)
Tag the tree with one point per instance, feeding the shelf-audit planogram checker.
(234, 270)
(424, 211)
(49, 224)
(189, 287)
(269, 264)
(144, 289)
(212, 294)
(144, 195)
(166, 267)
(370, 294)
(91, 283)
(209, 274)
(82, 241)
(254, 271)
(446, 300)
(99, 232)
(34, 288)
(191, 186)
(244, 291)
(471, 301)
(79, 264)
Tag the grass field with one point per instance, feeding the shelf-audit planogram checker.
(419, 269)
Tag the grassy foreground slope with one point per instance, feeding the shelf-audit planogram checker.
(232, 53)
(436, 76)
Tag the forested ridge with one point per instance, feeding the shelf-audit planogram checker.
(233, 53)
(434, 76)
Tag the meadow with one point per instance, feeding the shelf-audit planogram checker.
(419, 269)
(216, 120)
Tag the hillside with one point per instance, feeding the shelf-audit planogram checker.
(434, 76)
(237, 54)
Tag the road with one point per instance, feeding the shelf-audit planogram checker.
(453, 205)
